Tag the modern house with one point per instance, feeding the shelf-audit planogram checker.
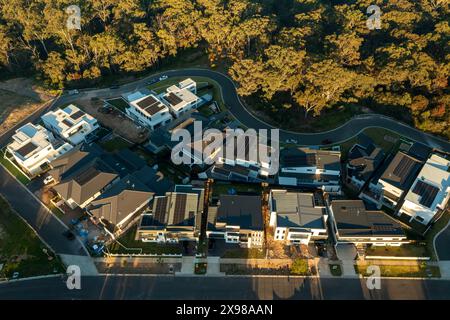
(310, 167)
(363, 160)
(394, 182)
(149, 111)
(181, 98)
(430, 192)
(119, 205)
(237, 219)
(297, 217)
(34, 147)
(79, 187)
(70, 124)
(174, 217)
(354, 224)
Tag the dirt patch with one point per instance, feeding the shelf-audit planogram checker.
(26, 87)
(14, 108)
(116, 121)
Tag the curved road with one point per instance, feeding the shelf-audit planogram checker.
(236, 107)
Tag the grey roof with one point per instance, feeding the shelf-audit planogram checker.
(239, 210)
(364, 158)
(353, 220)
(122, 199)
(402, 171)
(304, 157)
(298, 210)
(154, 180)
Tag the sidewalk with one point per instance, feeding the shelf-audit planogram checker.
(85, 263)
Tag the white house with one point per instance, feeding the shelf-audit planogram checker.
(70, 123)
(33, 147)
(149, 111)
(310, 167)
(297, 217)
(430, 192)
(181, 98)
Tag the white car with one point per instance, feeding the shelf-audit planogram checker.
(48, 180)
(163, 78)
(72, 92)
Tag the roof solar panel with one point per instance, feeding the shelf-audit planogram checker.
(67, 123)
(26, 149)
(180, 208)
(426, 192)
(173, 99)
(77, 115)
(160, 209)
(404, 167)
(144, 103)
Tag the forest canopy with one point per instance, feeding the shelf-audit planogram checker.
(318, 53)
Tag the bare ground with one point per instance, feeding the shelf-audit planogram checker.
(116, 121)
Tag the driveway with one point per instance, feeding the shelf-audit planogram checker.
(37, 216)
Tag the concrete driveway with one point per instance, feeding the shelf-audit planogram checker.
(347, 254)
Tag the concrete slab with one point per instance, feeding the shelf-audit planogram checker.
(213, 269)
(86, 264)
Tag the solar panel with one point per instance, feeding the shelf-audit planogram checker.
(404, 167)
(160, 209)
(144, 103)
(26, 149)
(173, 99)
(67, 123)
(77, 115)
(426, 192)
(180, 208)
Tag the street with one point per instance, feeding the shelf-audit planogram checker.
(232, 288)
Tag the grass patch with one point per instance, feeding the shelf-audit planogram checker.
(300, 267)
(115, 144)
(200, 268)
(224, 188)
(20, 248)
(336, 270)
(132, 246)
(119, 103)
(242, 253)
(406, 250)
(12, 169)
(420, 270)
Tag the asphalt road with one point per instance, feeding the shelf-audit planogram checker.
(232, 101)
(443, 244)
(37, 216)
(204, 288)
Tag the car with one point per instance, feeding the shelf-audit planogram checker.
(48, 180)
(15, 275)
(73, 92)
(292, 141)
(163, 78)
(152, 81)
(69, 235)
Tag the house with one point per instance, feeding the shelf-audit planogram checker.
(70, 124)
(79, 187)
(118, 206)
(237, 219)
(174, 217)
(363, 160)
(149, 111)
(297, 217)
(310, 168)
(394, 182)
(181, 98)
(33, 148)
(354, 224)
(430, 192)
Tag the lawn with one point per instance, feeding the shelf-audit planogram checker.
(406, 250)
(416, 271)
(12, 169)
(378, 136)
(224, 188)
(115, 144)
(300, 267)
(128, 245)
(119, 103)
(21, 250)
(242, 253)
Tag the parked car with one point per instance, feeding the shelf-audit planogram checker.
(291, 141)
(163, 78)
(69, 235)
(15, 275)
(73, 92)
(152, 81)
(48, 180)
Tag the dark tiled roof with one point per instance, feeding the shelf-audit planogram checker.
(239, 210)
